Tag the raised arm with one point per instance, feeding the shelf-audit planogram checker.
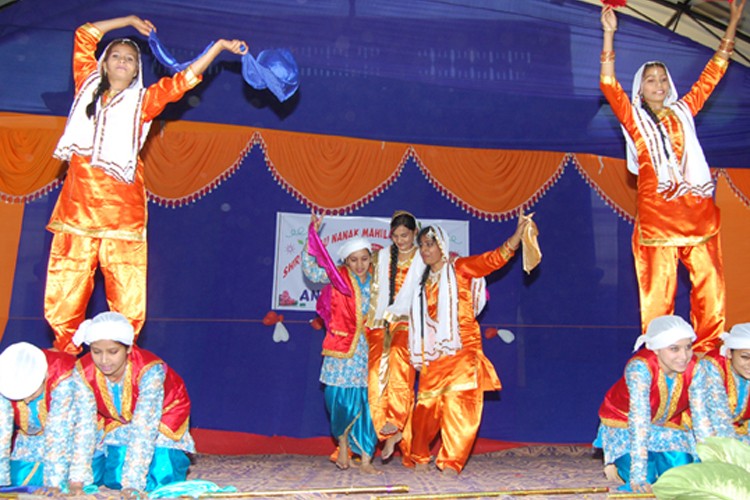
(727, 43)
(234, 46)
(144, 27)
(609, 26)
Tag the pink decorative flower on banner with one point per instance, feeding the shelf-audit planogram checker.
(615, 3)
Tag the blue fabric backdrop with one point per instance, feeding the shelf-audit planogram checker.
(499, 74)
(210, 275)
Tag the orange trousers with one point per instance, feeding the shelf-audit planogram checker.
(395, 401)
(70, 282)
(456, 415)
(656, 270)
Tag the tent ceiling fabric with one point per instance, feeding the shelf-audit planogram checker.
(496, 74)
(703, 21)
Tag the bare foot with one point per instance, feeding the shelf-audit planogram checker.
(449, 472)
(390, 446)
(422, 468)
(367, 467)
(388, 429)
(610, 471)
(343, 461)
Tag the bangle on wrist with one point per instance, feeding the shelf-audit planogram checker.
(607, 56)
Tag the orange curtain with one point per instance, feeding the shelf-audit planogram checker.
(612, 180)
(332, 173)
(185, 160)
(11, 217)
(735, 248)
(490, 183)
(27, 168)
(738, 180)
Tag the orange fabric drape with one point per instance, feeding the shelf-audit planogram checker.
(27, 168)
(11, 217)
(735, 247)
(739, 181)
(187, 159)
(611, 179)
(495, 183)
(331, 172)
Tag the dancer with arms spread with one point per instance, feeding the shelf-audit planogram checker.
(100, 215)
(677, 219)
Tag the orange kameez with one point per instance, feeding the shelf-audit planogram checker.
(99, 220)
(450, 395)
(684, 229)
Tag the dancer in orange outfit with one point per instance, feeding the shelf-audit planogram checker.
(391, 375)
(677, 218)
(100, 215)
(446, 346)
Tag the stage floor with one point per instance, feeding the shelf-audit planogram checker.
(524, 468)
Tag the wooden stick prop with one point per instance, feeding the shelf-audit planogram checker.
(481, 494)
(351, 490)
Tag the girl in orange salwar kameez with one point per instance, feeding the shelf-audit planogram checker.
(100, 217)
(391, 375)
(446, 346)
(677, 219)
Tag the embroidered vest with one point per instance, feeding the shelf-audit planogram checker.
(724, 366)
(175, 418)
(59, 367)
(346, 318)
(616, 406)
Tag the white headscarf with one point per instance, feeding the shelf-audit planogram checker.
(23, 368)
(692, 175)
(114, 137)
(108, 325)
(737, 338)
(430, 339)
(663, 331)
(352, 245)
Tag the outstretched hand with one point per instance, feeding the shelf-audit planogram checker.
(523, 222)
(609, 19)
(735, 9)
(143, 26)
(235, 46)
(316, 221)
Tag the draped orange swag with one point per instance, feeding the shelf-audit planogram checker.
(186, 160)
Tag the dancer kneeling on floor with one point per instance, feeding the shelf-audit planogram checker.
(720, 389)
(137, 438)
(38, 411)
(645, 426)
(343, 305)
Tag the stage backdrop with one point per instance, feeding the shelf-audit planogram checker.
(466, 111)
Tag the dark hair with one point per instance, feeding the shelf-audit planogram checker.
(409, 222)
(104, 82)
(650, 112)
(422, 233)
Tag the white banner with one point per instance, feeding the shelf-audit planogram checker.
(291, 291)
